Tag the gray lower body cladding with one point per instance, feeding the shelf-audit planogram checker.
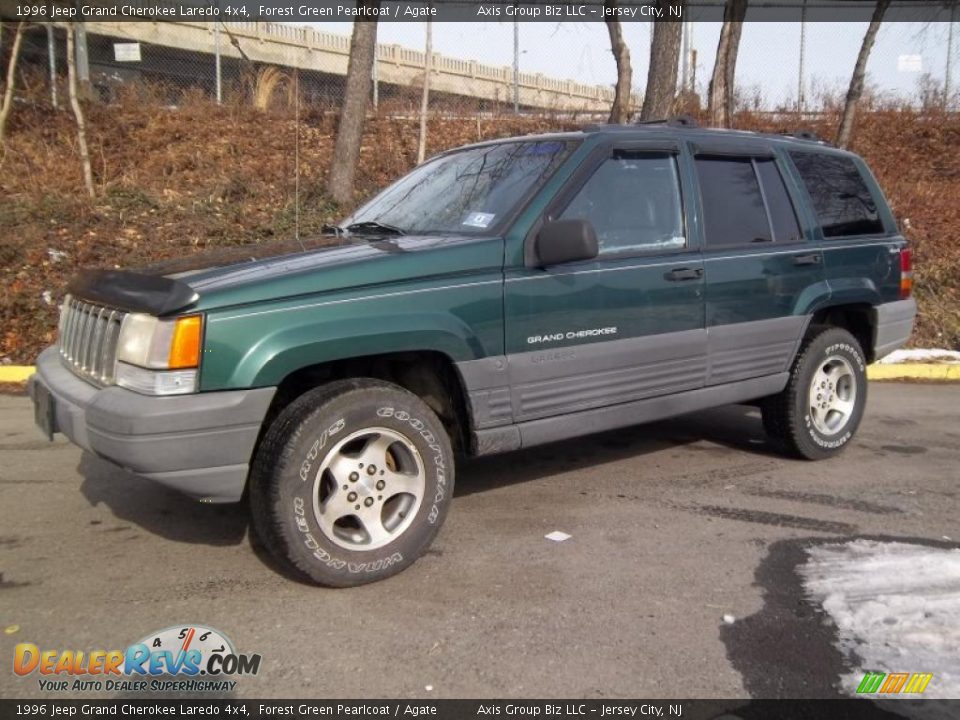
(893, 323)
(558, 380)
(199, 444)
(535, 397)
(538, 432)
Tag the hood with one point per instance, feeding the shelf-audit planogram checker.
(267, 271)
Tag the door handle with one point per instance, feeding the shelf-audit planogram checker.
(811, 259)
(678, 274)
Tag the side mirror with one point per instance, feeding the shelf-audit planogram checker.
(563, 241)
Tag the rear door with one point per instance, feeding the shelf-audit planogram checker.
(858, 234)
(761, 267)
(628, 324)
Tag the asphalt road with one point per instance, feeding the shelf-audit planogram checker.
(674, 525)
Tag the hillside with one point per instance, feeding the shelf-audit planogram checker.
(171, 180)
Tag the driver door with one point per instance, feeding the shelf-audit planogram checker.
(628, 324)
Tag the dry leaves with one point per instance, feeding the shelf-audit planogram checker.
(172, 180)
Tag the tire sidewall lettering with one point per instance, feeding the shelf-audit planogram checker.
(318, 445)
(436, 452)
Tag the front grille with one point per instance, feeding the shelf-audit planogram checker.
(88, 339)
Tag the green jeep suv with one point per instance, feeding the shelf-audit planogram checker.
(500, 296)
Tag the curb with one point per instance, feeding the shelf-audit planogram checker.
(914, 371)
(901, 371)
(15, 373)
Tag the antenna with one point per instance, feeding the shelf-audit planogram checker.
(296, 159)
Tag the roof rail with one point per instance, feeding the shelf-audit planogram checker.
(803, 135)
(676, 121)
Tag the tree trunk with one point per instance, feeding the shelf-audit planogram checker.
(664, 62)
(11, 76)
(78, 111)
(721, 94)
(346, 150)
(859, 72)
(425, 99)
(620, 111)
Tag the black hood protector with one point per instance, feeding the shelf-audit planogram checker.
(132, 291)
(157, 289)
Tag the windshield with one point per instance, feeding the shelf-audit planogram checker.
(468, 191)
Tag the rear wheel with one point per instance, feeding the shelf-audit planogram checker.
(819, 411)
(352, 482)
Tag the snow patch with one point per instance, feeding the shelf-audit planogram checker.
(896, 607)
(920, 355)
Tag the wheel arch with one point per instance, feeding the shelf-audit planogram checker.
(857, 318)
(431, 375)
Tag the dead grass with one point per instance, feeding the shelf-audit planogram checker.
(173, 180)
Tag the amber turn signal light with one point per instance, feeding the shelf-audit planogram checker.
(185, 345)
(906, 273)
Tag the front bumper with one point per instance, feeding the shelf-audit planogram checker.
(198, 444)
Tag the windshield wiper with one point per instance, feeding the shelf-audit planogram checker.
(372, 227)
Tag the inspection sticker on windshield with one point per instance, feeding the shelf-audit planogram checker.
(479, 219)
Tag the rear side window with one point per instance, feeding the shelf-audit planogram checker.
(733, 208)
(744, 201)
(783, 218)
(633, 202)
(840, 197)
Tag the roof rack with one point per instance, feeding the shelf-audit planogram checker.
(680, 121)
(803, 135)
(676, 121)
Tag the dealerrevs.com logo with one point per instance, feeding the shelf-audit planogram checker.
(183, 658)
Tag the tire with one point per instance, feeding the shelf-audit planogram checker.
(351, 482)
(819, 411)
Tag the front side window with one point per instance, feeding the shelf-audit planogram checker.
(840, 197)
(466, 192)
(633, 202)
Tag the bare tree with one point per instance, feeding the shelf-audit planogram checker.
(664, 62)
(77, 110)
(620, 111)
(11, 75)
(346, 150)
(720, 96)
(859, 73)
(425, 99)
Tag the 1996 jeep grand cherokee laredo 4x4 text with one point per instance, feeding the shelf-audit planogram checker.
(500, 296)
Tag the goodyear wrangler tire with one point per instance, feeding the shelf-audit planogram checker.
(819, 411)
(351, 482)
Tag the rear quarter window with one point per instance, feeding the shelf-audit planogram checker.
(841, 199)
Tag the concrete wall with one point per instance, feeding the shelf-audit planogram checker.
(309, 49)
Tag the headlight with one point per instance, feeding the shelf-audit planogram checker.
(159, 357)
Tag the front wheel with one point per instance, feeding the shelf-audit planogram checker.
(352, 482)
(819, 411)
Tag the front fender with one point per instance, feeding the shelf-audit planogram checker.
(254, 347)
(287, 350)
